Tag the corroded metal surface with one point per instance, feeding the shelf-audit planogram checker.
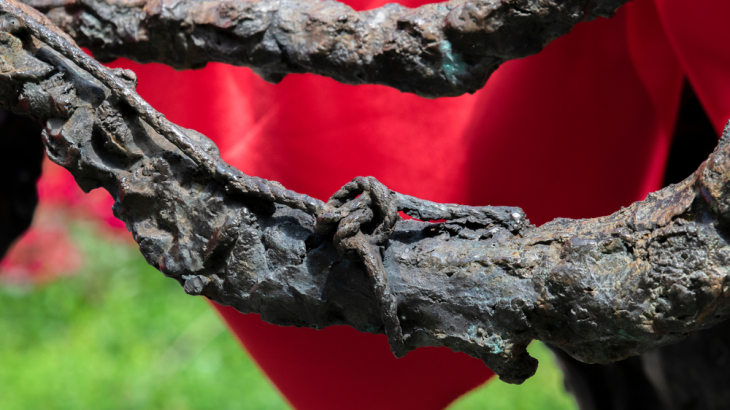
(443, 49)
(484, 282)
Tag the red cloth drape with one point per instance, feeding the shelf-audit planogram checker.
(578, 130)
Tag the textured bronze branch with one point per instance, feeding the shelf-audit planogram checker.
(484, 282)
(444, 49)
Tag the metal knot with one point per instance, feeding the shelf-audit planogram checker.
(363, 206)
(363, 214)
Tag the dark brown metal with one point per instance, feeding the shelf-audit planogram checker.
(444, 49)
(484, 282)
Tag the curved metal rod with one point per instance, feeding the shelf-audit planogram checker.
(485, 282)
(443, 49)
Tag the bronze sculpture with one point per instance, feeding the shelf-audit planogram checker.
(484, 281)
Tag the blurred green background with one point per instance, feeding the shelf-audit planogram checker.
(119, 335)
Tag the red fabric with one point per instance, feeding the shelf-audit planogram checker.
(575, 131)
(700, 36)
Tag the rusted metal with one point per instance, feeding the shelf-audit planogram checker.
(484, 281)
(443, 49)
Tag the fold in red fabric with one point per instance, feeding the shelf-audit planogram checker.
(700, 36)
(578, 130)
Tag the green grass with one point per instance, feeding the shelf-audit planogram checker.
(543, 391)
(119, 335)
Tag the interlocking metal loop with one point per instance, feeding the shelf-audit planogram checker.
(363, 214)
